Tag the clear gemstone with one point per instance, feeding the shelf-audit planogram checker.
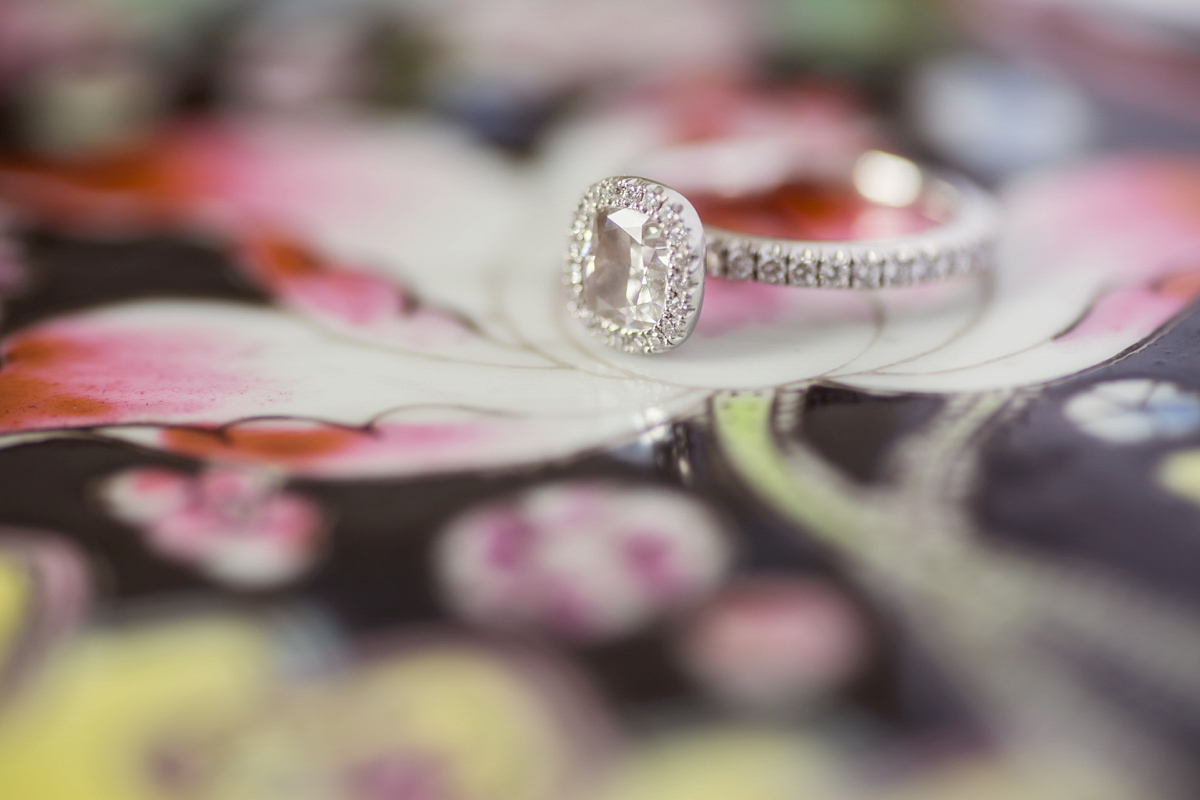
(867, 269)
(739, 265)
(803, 269)
(772, 270)
(625, 271)
(835, 270)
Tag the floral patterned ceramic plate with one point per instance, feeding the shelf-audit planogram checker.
(288, 392)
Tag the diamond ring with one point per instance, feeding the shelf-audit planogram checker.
(638, 253)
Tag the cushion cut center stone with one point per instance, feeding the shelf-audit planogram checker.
(625, 269)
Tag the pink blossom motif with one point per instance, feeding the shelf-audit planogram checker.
(350, 301)
(775, 643)
(236, 526)
(582, 561)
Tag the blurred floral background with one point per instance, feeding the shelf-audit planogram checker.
(309, 488)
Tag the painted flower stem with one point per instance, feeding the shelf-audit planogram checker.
(980, 610)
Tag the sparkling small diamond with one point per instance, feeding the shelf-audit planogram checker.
(626, 267)
(867, 270)
(739, 265)
(835, 270)
(773, 270)
(803, 269)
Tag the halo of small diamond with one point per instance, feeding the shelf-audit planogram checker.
(681, 230)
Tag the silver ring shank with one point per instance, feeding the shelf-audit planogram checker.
(961, 244)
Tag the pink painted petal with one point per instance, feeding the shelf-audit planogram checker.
(350, 301)
(1134, 312)
(84, 371)
(1132, 218)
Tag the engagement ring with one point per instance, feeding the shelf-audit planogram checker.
(638, 253)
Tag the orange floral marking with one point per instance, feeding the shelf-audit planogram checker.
(150, 182)
(30, 398)
(1184, 285)
(291, 446)
(274, 258)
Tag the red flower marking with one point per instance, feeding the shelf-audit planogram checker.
(801, 210)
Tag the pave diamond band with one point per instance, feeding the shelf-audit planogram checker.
(638, 254)
(959, 245)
